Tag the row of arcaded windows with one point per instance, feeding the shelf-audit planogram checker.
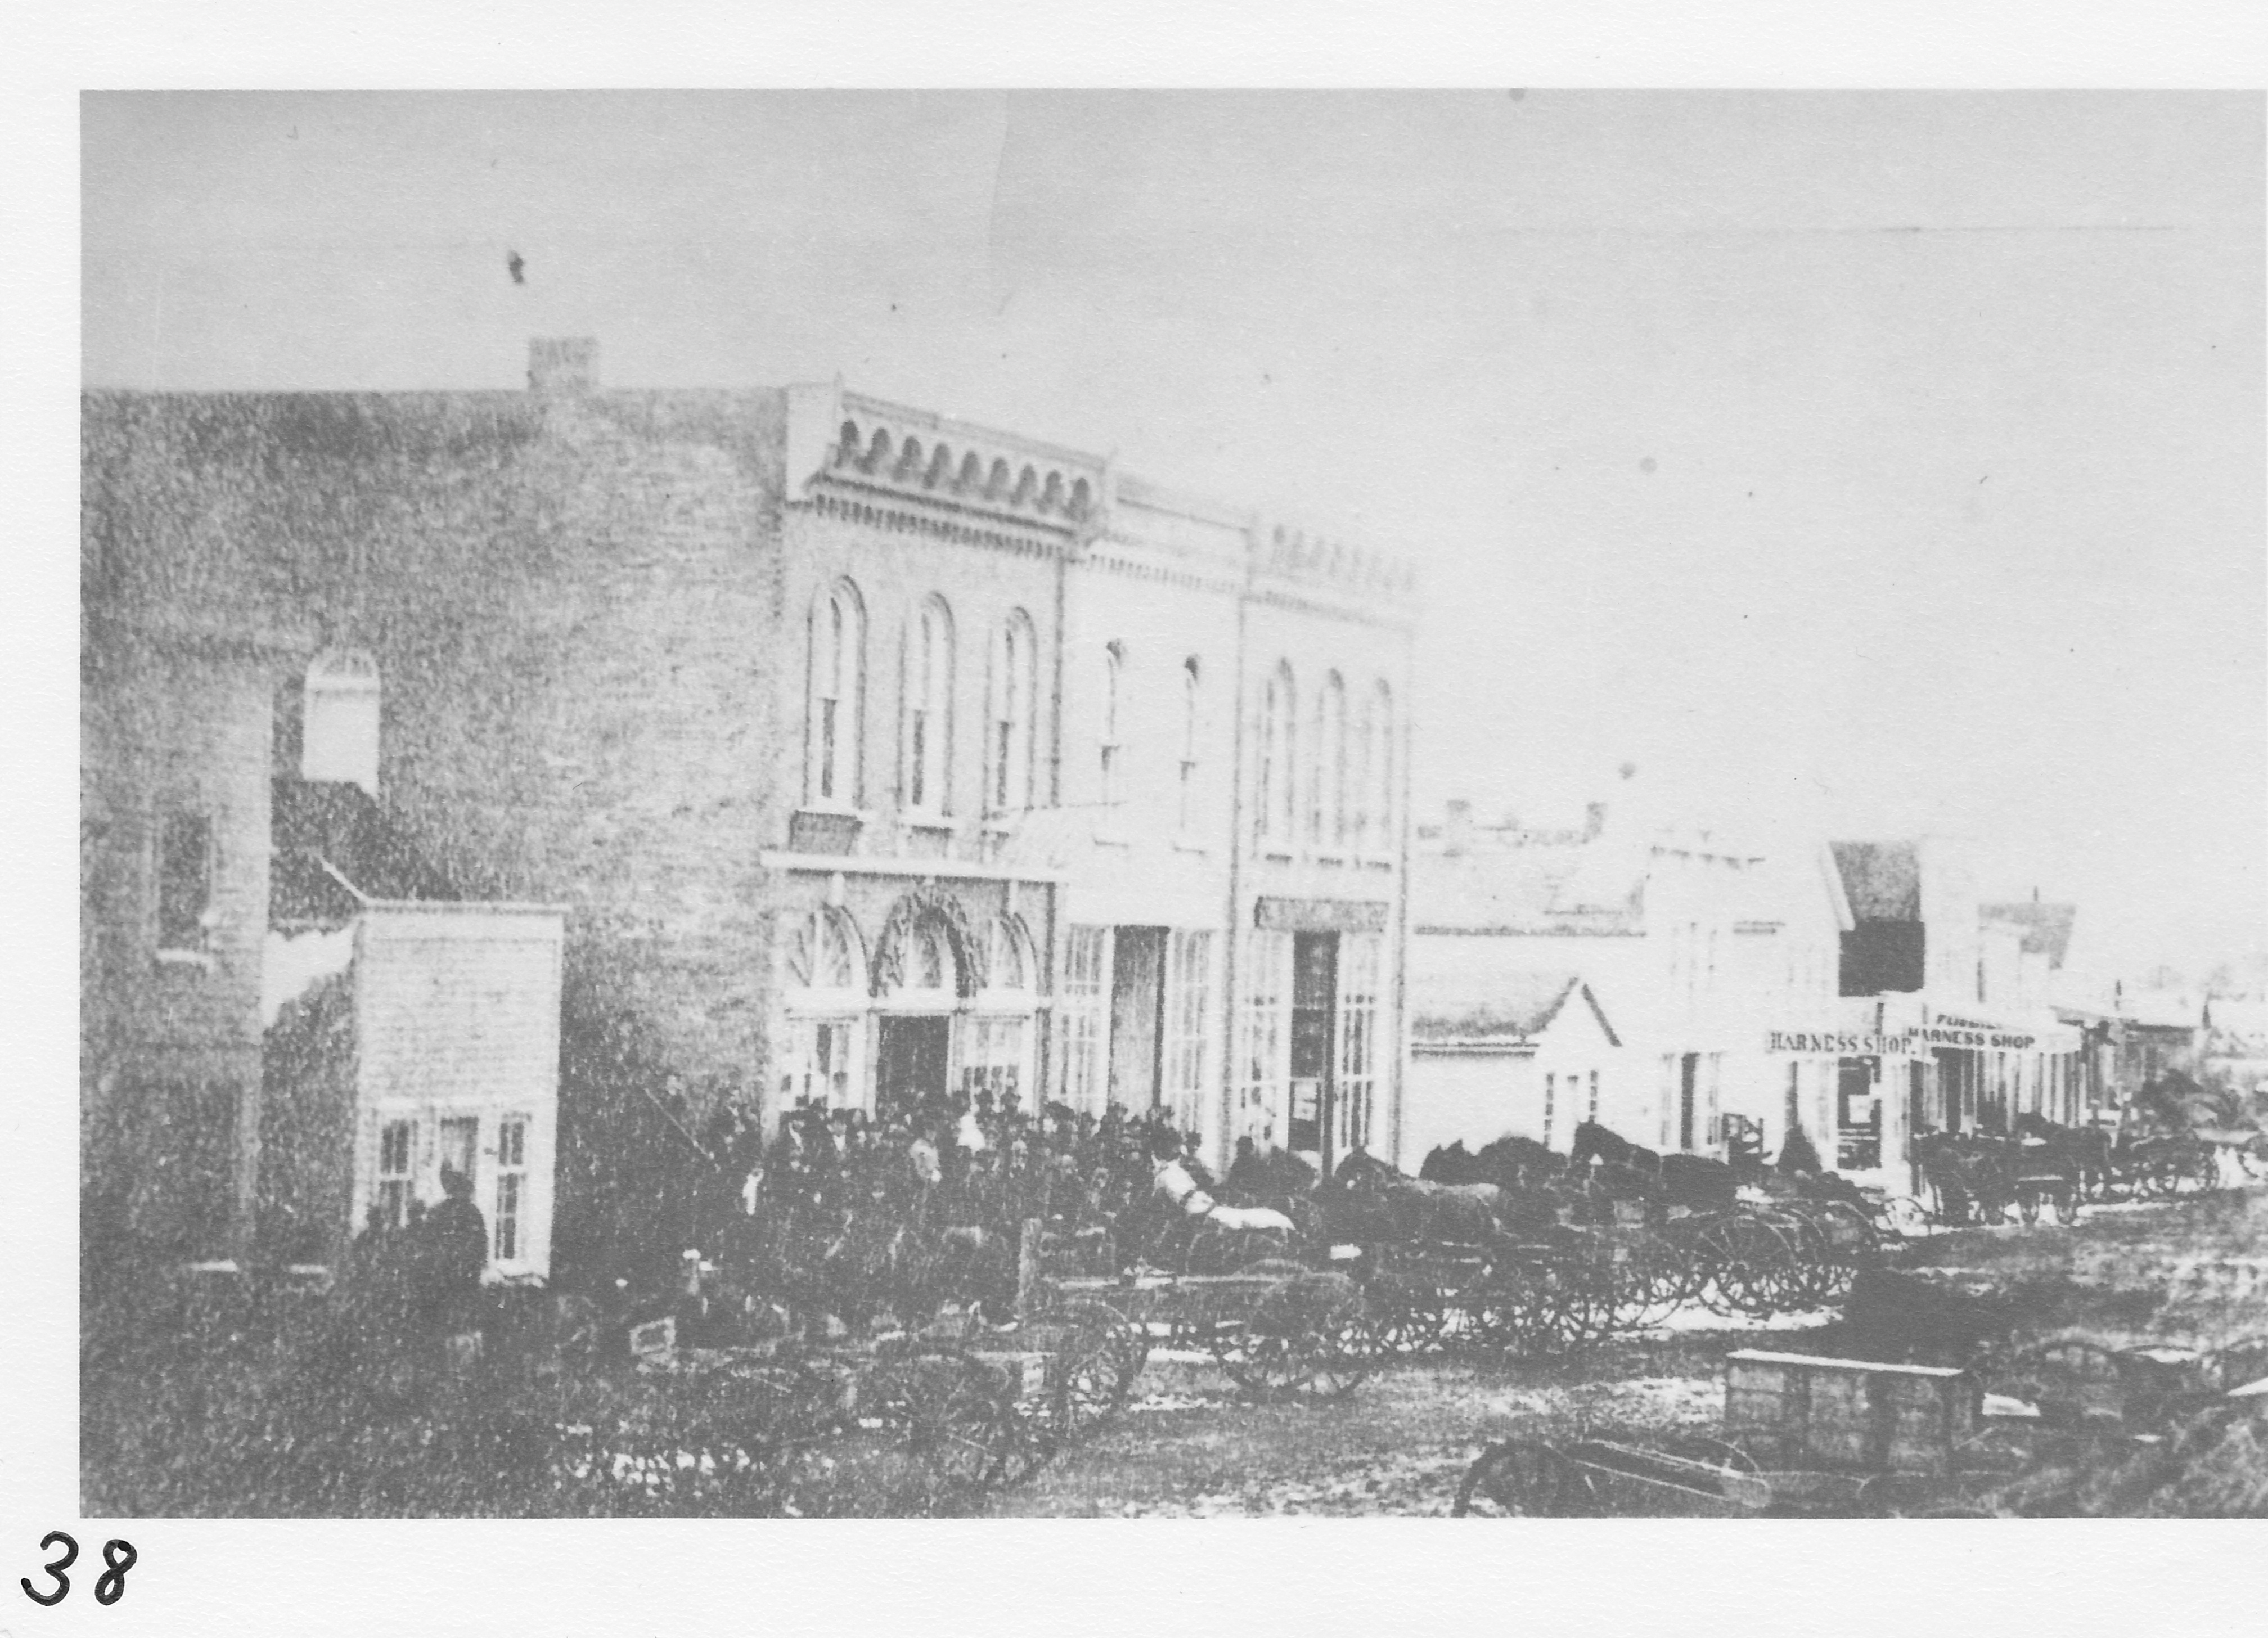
(1325, 767)
(840, 707)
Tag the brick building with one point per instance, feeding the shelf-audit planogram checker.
(865, 752)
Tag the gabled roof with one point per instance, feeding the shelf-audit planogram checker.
(2047, 928)
(1882, 880)
(1520, 1007)
(331, 842)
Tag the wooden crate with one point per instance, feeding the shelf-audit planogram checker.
(1850, 1413)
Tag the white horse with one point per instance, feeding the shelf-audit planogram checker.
(1172, 1181)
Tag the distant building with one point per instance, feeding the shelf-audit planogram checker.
(1530, 1055)
(1948, 1002)
(1715, 965)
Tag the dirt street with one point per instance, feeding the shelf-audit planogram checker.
(1189, 1444)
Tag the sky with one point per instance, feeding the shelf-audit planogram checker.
(1858, 464)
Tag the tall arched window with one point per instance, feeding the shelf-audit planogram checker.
(1113, 668)
(1327, 780)
(338, 733)
(838, 651)
(928, 728)
(1009, 743)
(1277, 806)
(1381, 762)
(1188, 808)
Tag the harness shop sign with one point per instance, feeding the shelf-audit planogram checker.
(1832, 1043)
(1905, 1045)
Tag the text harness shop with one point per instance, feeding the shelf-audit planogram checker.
(1904, 1069)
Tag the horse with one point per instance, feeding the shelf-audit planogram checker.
(2080, 1153)
(1417, 1210)
(1694, 1182)
(1962, 1170)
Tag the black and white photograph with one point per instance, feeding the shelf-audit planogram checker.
(985, 805)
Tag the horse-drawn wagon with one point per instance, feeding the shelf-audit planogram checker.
(1805, 1435)
(1276, 1328)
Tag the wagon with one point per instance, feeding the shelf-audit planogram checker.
(1277, 1328)
(1801, 1436)
(1805, 1435)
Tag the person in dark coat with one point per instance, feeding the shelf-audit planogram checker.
(1247, 1173)
(455, 1246)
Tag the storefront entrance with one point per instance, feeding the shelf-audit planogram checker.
(1137, 988)
(1858, 1116)
(1315, 1005)
(915, 1058)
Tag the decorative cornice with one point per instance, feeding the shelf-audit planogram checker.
(893, 452)
(852, 509)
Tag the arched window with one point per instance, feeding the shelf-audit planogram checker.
(838, 647)
(1114, 667)
(1009, 747)
(1189, 741)
(928, 725)
(1380, 772)
(826, 958)
(820, 1036)
(1327, 778)
(1278, 801)
(1008, 960)
(338, 735)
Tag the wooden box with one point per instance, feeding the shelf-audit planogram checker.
(1850, 1413)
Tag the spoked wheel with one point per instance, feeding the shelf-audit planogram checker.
(1265, 1365)
(950, 1411)
(1412, 1315)
(1339, 1340)
(1093, 1369)
(1513, 1307)
(1518, 1479)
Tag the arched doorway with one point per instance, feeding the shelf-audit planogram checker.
(927, 966)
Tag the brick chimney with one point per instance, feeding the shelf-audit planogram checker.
(1457, 831)
(563, 363)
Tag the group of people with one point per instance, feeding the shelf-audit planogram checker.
(422, 1274)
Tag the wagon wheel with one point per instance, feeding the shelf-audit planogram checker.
(1030, 1446)
(1905, 1218)
(1518, 1479)
(1338, 1338)
(1411, 1314)
(1513, 1306)
(1093, 1369)
(950, 1411)
(1264, 1365)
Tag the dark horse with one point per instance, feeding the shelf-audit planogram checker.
(1393, 1206)
(1629, 1171)
(2080, 1153)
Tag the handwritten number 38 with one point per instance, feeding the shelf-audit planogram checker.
(109, 1587)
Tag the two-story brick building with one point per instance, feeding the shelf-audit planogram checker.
(866, 753)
